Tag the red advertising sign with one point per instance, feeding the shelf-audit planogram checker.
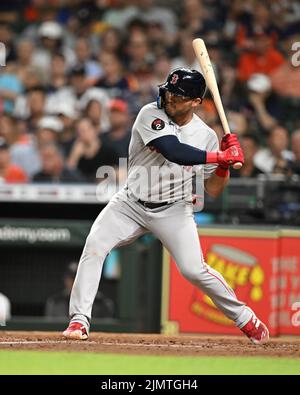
(287, 271)
(244, 258)
(262, 267)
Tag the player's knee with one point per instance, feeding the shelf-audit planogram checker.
(193, 275)
(95, 245)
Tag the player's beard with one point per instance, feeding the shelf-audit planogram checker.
(173, 112)
(169, 109)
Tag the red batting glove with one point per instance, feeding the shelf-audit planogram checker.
(228, 141)
(231, 156)
(226, 158)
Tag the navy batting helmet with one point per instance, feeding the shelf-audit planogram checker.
(183, 82)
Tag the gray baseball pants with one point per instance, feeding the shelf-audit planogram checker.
(121, 222)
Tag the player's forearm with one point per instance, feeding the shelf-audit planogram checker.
(216, 184)
(183, 154)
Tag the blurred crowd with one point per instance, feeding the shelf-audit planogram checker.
(76, 73)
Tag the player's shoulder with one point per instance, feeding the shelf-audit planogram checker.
(152, 111)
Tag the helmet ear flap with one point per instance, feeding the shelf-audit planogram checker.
(160, 100)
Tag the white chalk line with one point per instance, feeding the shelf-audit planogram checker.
(8, 343)
(30, 342)
(154, 345)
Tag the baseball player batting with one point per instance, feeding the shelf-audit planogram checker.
(168, 139)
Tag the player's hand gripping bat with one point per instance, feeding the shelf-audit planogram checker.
(209, 75)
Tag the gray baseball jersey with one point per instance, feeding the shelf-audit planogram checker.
(152, 178)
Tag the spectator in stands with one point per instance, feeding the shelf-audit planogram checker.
(115, 81)
(136, 26)
(286, 84)
(253, 17)
(49, 128)
(53, 169)
(25, 49)
(32, 81)
(7, 39)
(145, 94)
(84, 58)
(10, 87)
(120, 15)
(250, 146)
(234, 24)
(276, 153)
(263, 19)
(286, 78)
(159, 41)
(51, 41)
(111, 41)
(213, 44)
(187, 57)
(154, 14)
(295, 146)
(78, 83)
(36, 103)
(207, 111)
(94, 105)
(70, 93)
(21, 144)
(85, 19)
(263, 101)
(229, 85)
(118, 137)
(195, 18)
(8, 129)
(27, 154)
(161, 69)
(67, 116)
(58, 73)
(57, 306)
(140, 62)
(263, 58)
(89, 152)
(237, 122)
(94, 112)
(9, 173)
(140, 57)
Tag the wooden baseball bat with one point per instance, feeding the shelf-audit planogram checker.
(209, 75)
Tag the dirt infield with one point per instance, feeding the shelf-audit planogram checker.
(183, 345)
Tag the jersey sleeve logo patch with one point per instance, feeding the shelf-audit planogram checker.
(157, 124)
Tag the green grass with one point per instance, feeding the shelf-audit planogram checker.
(38, 362)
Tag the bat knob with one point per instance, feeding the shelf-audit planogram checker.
(237, 165)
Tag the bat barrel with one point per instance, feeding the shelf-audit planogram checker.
(209, 75)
